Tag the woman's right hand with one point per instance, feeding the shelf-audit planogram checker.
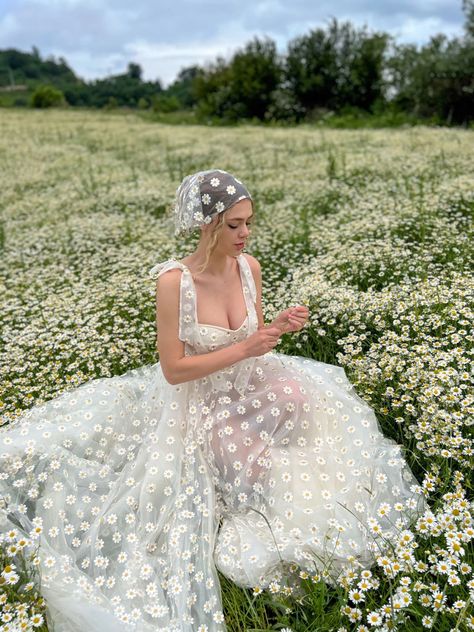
(262, 341)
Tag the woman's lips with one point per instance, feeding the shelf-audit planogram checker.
(241, 245)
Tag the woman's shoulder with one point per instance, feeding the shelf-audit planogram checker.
(169, 276)
(169, 265)
(253, 263)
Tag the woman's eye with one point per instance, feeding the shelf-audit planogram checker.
(249, 225)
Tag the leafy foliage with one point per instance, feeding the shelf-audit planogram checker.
(342, 66)
(243, 88)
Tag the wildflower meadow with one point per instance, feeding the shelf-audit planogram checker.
(371, 229)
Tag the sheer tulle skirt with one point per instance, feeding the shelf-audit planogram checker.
(136, 490)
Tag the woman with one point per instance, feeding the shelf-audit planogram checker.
(225, 454)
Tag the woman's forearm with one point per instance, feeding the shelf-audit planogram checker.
(197, 366)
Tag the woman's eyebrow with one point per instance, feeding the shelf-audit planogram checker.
(232, 219)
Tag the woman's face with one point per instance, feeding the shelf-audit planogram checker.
(235, 229)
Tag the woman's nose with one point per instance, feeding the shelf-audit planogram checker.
(244, 231)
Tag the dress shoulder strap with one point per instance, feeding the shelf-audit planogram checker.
(187, 302)
(163, 266)
(250, 281)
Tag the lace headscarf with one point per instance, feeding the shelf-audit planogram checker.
(202, 195)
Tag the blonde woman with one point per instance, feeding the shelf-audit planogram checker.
(224, 455)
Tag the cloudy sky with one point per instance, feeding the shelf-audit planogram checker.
(100, 37)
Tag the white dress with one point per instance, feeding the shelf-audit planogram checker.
(141, 488)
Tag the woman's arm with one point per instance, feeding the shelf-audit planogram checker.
(291, 319)
(177, 367)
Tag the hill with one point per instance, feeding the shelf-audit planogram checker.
(22, 72)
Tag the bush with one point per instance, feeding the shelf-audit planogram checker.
(47, 97)
(163, 103)
(112, 104)
(284, 107)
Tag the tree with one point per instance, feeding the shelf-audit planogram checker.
(365, 85)
(435, 81)
(311, 70)
(468, 9)
(255, 73)
(183, 86)
(134, 71)
(241, 88)
(338, 67)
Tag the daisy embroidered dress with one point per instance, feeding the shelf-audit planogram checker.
(137, 490)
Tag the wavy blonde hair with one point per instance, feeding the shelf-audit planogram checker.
(216, 231)
(211, 244)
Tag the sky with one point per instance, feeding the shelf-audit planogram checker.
(100, 37)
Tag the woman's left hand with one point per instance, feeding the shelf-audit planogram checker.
(292, 319)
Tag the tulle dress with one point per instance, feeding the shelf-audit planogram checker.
(137, 490)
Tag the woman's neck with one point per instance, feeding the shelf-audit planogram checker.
(219, 265)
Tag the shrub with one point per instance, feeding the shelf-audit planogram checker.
(47, 97)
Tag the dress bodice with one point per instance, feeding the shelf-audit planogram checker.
(203, 338)
(213, 336)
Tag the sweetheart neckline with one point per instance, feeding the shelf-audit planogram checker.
(224, 328)
(242, 282)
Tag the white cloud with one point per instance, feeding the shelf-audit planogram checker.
(88, 66)
(9, 27)
(420, 30)
(164, 61)
(100, 37)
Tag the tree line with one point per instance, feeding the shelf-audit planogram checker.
(335, 69)
(55, 81)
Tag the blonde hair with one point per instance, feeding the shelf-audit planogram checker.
(211, 244)
(216, 231)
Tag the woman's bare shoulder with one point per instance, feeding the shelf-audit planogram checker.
(253, 262)
(169, 279)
